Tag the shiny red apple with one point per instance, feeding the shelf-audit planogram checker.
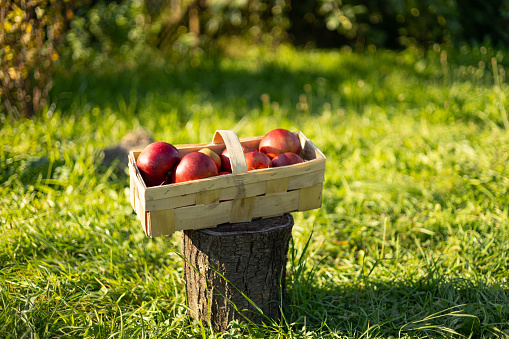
(285, 159)
(213, 155)
(279, 141)
(156, 163)
(257, 160)
(225, 158)
(194, 166)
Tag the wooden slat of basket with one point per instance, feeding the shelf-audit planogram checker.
(310, 197)
(138, 180)
(228, 193)
(242, 191)
(132, 190)
(172, 202)
(208, 197)
(276, 204)
(140, 212)
(242, 210)
(306, 180)
(277, 185)
(160, 223)
(200, 216)
(137, 203)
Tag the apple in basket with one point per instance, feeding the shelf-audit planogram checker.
(285, 159)
(279, 141)
(225, 158)
(257, 160)
(156, 163)
(213, 155)
(194, 166)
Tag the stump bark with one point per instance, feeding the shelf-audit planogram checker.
(233, 267)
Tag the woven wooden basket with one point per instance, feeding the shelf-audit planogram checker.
(238, 197)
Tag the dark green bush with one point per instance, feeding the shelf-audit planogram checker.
(484, 20)
(390, 23)
(334, 23)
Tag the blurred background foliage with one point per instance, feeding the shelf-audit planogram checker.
(38, 37)
(29, 33)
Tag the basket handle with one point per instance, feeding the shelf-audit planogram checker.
(232, 142)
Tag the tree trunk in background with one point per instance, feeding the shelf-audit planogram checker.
(232, 266)
(194, 20)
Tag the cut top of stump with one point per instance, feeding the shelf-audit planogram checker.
(247, 228)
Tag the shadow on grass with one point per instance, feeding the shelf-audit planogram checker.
(233, 84)
(438, 307)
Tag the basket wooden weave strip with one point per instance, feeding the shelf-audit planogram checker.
(238, 197)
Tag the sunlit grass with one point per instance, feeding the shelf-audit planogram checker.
(411, 240)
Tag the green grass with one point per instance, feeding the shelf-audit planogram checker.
(412, 238)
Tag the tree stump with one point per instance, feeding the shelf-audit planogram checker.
(229, 268)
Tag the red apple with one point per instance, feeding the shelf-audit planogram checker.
(279, 141)
(156, 162)
(223, 173)
(285, 159)
(257, 160)
(213, 155)
(193, 166)
(248, 149)
(225, 157)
